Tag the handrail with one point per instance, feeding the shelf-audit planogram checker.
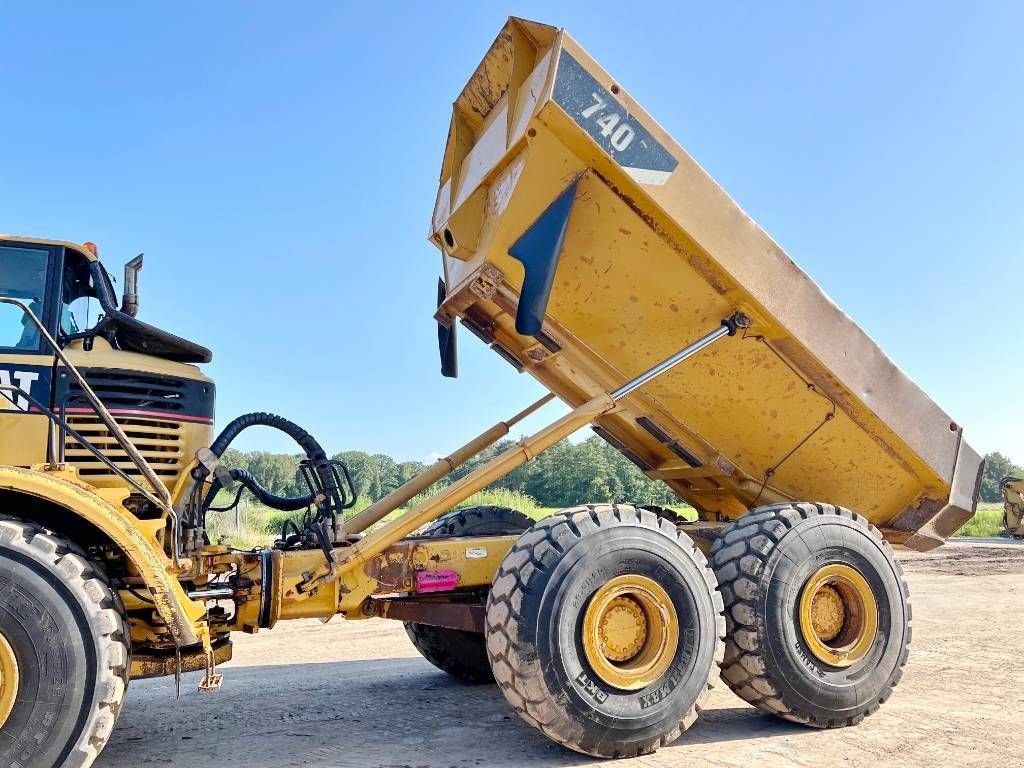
(161, 497)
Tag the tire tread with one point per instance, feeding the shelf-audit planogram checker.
(514, 663)
(745, 669)
(89, 582)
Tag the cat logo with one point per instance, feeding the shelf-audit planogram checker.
(19, 380)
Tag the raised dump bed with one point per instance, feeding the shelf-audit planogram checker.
(585, 245)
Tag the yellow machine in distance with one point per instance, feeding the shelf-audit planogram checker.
(1013, 506)
(586, 248)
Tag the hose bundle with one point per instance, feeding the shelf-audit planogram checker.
(326, 489)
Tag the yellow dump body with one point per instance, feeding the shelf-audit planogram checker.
(802, 405)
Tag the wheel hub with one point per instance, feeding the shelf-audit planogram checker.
(623, 629)
(630, 632)
(9, 679)
(827, 613)
(838, 615)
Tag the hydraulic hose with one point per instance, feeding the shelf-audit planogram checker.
(331, 502)
(272, 500)
(305, 440)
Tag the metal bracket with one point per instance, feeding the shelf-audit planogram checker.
(213, 465)
(212, 681)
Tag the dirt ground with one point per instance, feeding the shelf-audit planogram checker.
(358, 695)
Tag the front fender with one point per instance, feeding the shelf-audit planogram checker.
(145, 552)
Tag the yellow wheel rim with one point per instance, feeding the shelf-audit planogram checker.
(630, 632)
(838, 615)
(8, 680)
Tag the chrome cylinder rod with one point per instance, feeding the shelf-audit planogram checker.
(224, 593)
(727, 328)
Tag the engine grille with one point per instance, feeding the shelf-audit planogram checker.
(158, 441)
(150, 409)
(122, 390)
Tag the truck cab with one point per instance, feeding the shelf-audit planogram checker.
(146, 377)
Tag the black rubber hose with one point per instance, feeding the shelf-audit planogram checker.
(314, 452)
(272, 500)
(305, 440)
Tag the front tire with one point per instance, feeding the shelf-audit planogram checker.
(603, 629)
(818, 613)
(63, 652)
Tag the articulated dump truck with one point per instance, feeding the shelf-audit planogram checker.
(585, 247)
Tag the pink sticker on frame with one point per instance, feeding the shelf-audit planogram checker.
(436, 581)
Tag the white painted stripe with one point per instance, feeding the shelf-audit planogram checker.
(647, 176)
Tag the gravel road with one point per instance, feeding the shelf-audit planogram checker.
(357, 694)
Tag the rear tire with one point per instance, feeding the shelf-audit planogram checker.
(622, 690)
(462, 654)
(766, 562)
(67, 636)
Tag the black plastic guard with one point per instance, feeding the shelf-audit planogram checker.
(538, 249)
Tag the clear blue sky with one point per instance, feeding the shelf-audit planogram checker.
(277, 162)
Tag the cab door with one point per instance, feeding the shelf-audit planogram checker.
(27, 273)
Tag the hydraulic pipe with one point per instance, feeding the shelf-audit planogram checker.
(477, 480)
(443, 467)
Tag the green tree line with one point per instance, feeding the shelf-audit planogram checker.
(566, 474)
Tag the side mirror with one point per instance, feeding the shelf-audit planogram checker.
(446, 343)
(130, 298)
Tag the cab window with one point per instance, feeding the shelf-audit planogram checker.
(22, 276)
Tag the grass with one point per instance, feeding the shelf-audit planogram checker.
(987, 522)
(501, 497)
(245, 528)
